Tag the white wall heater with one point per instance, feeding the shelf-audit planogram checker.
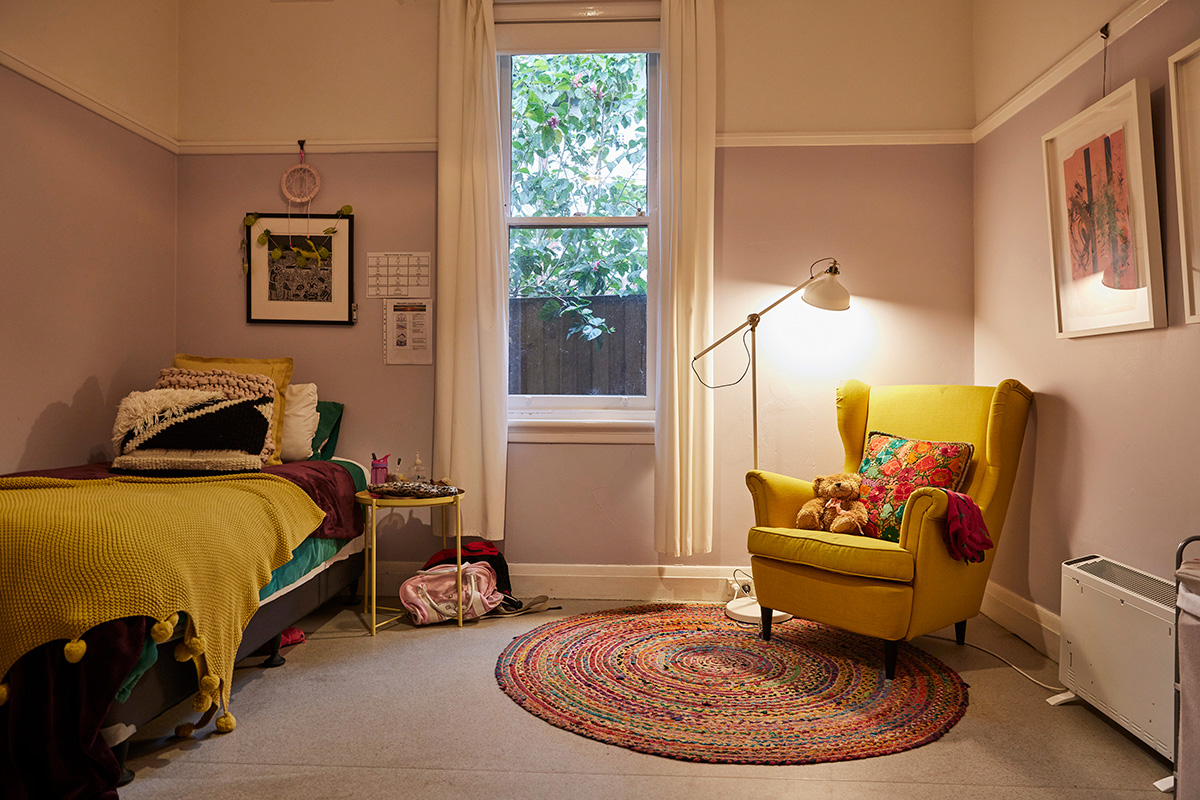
(1117, 647)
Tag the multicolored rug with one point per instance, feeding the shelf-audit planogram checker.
(686, 682)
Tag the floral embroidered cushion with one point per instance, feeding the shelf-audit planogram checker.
(892, 467)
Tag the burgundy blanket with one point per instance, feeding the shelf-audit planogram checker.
(50, 743)
(332, 489)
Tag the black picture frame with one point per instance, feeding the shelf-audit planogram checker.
(284, 285)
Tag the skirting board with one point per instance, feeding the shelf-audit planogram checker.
(1024, 618)
(633, 582)
(675, 582)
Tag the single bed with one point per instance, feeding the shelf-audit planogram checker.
(287, 538)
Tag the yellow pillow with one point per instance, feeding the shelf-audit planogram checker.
(279, 370)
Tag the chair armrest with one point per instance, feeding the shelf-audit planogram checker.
(924, 519)
(777, 498)
(945, 590)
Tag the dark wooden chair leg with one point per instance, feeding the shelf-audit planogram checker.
(960, 632)
(274, 659)
(890, 651)
(767, 615)
(121, 751)
(354, 598)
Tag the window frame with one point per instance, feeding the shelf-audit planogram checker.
(589, 418)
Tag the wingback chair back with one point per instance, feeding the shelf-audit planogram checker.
(894, 591)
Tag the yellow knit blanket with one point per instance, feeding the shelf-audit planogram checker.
(74, 554)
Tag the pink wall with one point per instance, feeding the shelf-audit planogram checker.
(899, 221)
(898, 218)
(389, 409)
(87, 311)
(1114, 422)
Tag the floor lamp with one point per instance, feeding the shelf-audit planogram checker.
(823, 290)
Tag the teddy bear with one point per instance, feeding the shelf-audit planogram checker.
(836, 507)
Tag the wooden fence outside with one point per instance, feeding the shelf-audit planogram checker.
(542, 360)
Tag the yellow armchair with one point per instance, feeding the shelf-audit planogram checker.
(894, 591)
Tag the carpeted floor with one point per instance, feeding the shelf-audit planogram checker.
(417, 713)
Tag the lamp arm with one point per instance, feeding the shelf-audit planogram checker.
(752, 319)
(799, 288)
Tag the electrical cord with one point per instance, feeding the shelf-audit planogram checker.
(743, 586)
(1006, 661)
(731, 383)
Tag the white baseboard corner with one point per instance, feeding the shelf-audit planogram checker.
(1023, 618)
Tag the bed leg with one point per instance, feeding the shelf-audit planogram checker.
(274, 659)
(121, 751)
(354, 598)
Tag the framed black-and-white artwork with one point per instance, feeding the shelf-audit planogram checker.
(300, 268)
(1184, 71)
(1105, 248)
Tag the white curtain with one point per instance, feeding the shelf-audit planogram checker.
(683, 436)
(470, 437)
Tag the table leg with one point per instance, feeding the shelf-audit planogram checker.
(458, 553)
(374, 576)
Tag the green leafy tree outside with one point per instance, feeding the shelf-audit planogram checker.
(578, 149)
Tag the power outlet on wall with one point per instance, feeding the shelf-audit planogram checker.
(742, 587)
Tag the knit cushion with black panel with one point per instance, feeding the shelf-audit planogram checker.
(232, 385)
(189, 432)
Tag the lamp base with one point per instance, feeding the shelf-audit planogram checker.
(747, 609)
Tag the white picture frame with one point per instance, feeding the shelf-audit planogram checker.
(1183, 69)
(1102, 202)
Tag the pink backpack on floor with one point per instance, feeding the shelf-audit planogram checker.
(432, 596)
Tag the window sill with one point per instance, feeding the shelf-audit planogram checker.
(581, 431)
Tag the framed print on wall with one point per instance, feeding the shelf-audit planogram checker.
(1105, 251)
(300, 268)
(1184, 71)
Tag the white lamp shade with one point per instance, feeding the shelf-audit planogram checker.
(827, 292)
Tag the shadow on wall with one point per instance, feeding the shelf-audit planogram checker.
(62, 431)
(1014, 541)
(410, 535)
(1057, 497)
(1047, 498)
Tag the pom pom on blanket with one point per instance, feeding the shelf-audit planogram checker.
(161, 632)
(201, 702)
(73, 651)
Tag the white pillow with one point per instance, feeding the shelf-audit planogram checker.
(300, 419)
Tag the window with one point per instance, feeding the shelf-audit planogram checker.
(580, 199)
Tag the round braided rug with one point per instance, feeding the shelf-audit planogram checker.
(686, 682)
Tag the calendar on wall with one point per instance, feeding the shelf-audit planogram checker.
(399, 274)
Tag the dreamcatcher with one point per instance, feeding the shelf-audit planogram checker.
(300, 183)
